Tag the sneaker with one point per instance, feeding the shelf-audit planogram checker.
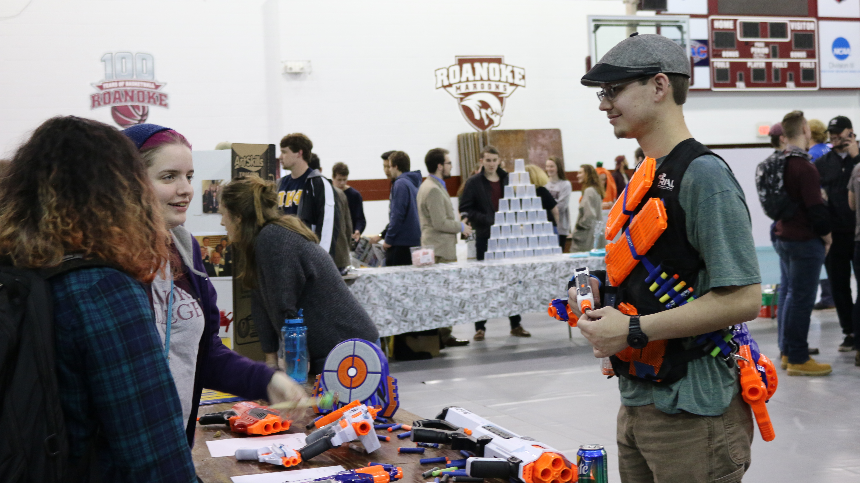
(809, 368)
(822, 306)
(784, 363)
(479, 335)
(518, 331)
(847, 345)
(813, 352)
(455, 342)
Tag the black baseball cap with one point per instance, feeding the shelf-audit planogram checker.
(839, 124)
(639, 56)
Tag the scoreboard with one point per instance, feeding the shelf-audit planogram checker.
(763, 53)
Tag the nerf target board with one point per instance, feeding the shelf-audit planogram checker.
(358, 370)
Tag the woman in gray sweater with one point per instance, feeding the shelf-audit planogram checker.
(590, 210)
(280, 260)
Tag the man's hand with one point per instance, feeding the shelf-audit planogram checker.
(374, 239)
(606, 329)
(283, 389)
(853, 149)
(356, 235)
(385, 245)
(272, 360)
(828, 240)
(467, 230)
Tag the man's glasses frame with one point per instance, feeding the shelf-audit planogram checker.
(611, 91)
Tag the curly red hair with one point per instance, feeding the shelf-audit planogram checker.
(79, 186)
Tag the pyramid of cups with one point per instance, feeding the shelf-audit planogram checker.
(521, 228)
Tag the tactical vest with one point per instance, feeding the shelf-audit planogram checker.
(662, 361)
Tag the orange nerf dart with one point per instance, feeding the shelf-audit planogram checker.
(755, 393)
(636, 189)
(646, 228)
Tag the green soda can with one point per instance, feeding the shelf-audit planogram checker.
(591, 464)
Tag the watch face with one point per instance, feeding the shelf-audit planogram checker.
(637, 341)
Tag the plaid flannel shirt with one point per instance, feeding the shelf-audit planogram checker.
(114, 379)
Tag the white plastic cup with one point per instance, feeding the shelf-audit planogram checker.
(556, 250)
(527, 229)
(530, 189)
(527, 204)
(528, 253)
(501, 245)
(518, 254)
(505, 231)
(495, 231)
(500, 218)
(491, 245)
(519, 165)
(503, 205)
(541, 216)
(509, 192)
(533, 217)
(489, 256)
(514, 204)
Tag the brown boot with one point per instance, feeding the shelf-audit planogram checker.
(809, 368)
(784, 363)
(479, 335)
(518, 331)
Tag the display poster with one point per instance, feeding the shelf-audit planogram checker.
(839, 44)
(129, 87)
(217, 255)
(839, 8)
(211, 193)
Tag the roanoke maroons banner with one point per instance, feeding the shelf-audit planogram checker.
(129, 88)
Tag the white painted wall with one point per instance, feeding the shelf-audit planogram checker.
(372, 85)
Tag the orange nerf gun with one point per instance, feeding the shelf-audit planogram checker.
(633, 193)
(754, 391)
(645, 229)
(249, 418)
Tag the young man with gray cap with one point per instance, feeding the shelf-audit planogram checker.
(835, 170)
(681, 417)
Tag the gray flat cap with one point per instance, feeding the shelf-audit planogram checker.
(639, 56)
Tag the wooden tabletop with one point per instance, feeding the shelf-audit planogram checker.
(351, 456)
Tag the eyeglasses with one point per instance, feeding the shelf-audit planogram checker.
(611, 91)
(849, 136)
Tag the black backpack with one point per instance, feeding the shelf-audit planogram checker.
(770, 184)
(34, 443)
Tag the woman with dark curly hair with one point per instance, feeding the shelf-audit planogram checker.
(280, 259)
(78, 188)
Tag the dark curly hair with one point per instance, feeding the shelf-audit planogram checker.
(80, 186)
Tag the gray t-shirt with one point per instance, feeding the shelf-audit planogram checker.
(719, 227)
(186, 329)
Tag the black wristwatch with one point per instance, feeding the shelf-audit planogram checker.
(636, 338)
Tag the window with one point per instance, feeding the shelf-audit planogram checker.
(721, 75)
(804, 41)
(724, 40)
(750, 30)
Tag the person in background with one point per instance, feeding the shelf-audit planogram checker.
(404, 227)
(619, 174)
(386, 168)
(639, 155)
(819, 137)
(610, 190)
(802, 242)
(115, 387)
(344, 230)
(226, 256)
(210, 198)
(560, 188)
(539, 178)
(853, 198)
(306, 193)
(590, 211)
(340, 177)
(480, 202)
(281, 262)
(183, 299)
(439, 224)
(835, 169)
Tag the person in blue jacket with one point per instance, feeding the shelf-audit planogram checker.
(404, 227)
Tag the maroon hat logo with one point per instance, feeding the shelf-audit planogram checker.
(481, 85)
(129, 88)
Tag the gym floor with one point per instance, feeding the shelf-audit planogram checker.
(549, 387)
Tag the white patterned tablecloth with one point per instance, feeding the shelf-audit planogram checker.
(409, 299)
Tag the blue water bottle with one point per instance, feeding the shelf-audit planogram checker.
(296, 355)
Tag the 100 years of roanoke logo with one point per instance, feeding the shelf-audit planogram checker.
(481, 85)
(129, 88)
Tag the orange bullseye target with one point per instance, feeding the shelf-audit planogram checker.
(352, 372)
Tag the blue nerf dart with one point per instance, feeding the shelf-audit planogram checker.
(459, 473)
(654, 274)
(467, 454)
(428, 445)
(666, 286)
(659, 281)
(692, 297)
(427, 461)
(371, 463)
(679, 298)
(435, 480)
(381, 419)
(383, 438)
(673, 292)
(394, 427)
(382, 426)
(404, 435)
(411, 450)
(456, 464)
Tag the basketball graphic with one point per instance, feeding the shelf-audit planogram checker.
(127, 116)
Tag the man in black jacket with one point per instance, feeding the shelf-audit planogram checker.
(835, 170)
(480, 201)
(306, 193)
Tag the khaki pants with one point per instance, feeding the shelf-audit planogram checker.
(669, 448)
